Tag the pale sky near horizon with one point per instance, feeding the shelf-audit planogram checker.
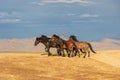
(87, 19)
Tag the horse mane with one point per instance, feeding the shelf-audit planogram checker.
(44, 36)
(37, 38)
(56, 36)
(73, 37)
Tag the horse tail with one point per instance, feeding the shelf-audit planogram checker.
(90, 46)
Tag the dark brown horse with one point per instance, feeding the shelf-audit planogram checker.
(72, 47)
(68, 45)
(61, 43)
(85, 46)
(47, 43)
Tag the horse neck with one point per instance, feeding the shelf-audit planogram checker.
(72, 40)
(45, 42)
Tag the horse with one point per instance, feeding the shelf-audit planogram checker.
(85, 46)
(71, 47)
(47, 43)
(62, 44)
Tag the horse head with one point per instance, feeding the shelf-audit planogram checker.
(43, 39)
(37, 41)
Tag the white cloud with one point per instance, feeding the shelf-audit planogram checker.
(86, 21)
(38, 3)
(89, 16)
(86, 15)
(9, 20)
(81, 2)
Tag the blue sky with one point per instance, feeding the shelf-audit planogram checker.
(89, 20)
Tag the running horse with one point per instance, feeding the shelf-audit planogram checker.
(47, 43)
(82, 45)
(68, 45)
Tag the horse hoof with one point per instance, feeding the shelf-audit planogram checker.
(68, 55)
(63, 55)
(84, 57)
(49, 54)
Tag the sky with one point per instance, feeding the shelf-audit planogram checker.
(88, 20)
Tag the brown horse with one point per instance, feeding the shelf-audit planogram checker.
(68, 45)
(85, 46)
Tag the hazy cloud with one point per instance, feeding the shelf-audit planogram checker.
(10, 14)
(12, 17)
(85, 17)
(89, 15)
(81, 2)
(9, 20)
(86, 21)
(71, 14)
(3, 14)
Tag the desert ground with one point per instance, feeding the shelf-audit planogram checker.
(105, 65)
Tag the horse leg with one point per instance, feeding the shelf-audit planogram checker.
(45, 49)
(48, 50)
(82, 51)
(75, 51)
(85, 54)
(79, 54)
(72, 53)
(88, 53)
(63, 52)
(68, 52)
(59, 52)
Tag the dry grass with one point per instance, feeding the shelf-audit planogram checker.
(105, 65)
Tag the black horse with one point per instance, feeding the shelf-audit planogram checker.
(48, 43)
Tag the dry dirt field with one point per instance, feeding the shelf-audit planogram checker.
(105, 65)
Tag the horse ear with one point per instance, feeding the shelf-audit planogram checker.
(43, 36)
(71, 36)
(54, 34)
